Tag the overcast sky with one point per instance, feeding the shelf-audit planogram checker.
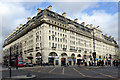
(103, 14)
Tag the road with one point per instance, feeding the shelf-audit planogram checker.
(66, 72)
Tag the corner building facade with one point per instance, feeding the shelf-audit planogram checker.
(52, 38)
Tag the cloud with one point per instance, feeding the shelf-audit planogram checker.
(72, 7)
(12, 14)
(108, 22)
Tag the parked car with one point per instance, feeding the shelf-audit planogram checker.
(27, 64)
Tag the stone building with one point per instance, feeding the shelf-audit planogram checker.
(52, 38)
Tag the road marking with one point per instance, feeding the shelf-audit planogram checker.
(79, 72)
(38, 71)
(31, 70)
(63, 71)
(110, 71)
(107, 75)
(86, 69)
(102, 74)
(52, 70)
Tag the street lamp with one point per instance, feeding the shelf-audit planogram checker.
(94, 53)
(17, 56)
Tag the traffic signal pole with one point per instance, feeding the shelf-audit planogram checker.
(94, 53)
(10, 62)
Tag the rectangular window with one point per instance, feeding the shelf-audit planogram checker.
(49, 44)
(60, 34)
(55, 39)
(61, 45)
(55, 33)
(40, 44)
(49, 31)
(40, 38)
(49, 37)
(52, 44)
(56, 45)
(52, 38)
(52, 27)
(58, 39)
(40, 32)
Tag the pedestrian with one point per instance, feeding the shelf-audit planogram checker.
(102, 63)
(106, 62)
(67, 64)
(89, 63)
(97, 63)
(85, 63)
(117, 63)
(114, 62)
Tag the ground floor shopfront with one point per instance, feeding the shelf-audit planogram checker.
(64, 58)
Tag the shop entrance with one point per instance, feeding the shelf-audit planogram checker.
(56, 62)
(38, 59)
(63, 61)
(51, 60)
(70, 62)
(52, 57)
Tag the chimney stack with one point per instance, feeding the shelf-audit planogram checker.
(109, 36)
(50, 7)
(21, 25)
(91, 25)
(38, 10)
(17, 28)
(28, 18)
(87, 25)
(112, 38)
(106, 35)
(83, 23)
(64, 14)
(76, 20)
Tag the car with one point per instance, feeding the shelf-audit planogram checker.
(27, 64)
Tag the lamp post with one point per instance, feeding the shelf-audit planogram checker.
(94, 53)
(41, 54)
(17, 56)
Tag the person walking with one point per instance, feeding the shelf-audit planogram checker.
(114, 63)
(106, 62)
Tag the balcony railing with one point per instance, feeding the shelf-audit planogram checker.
(73, 50)
(37, 48)
(53, 48)
(64, 49)
(79, 50)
